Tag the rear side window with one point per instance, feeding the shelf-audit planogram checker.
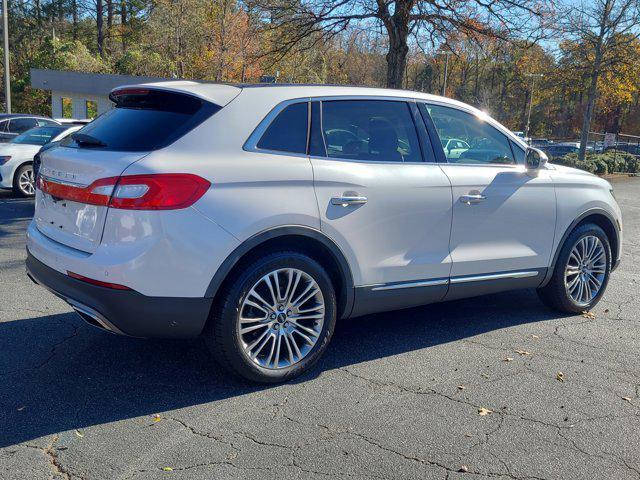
(288, 131)
(370, 130)
(143, 120)
(20, 125)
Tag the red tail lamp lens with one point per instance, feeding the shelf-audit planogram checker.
(162, 191)
(99, 283)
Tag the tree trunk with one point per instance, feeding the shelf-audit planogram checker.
(99, 21)
(74, 19)
(123, 24)
(397, 27)
(591, 98)
(109, 22)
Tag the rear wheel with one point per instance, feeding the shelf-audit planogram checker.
(275, 318)
(581, 273)
(24, 181)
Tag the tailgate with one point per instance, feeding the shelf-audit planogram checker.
(74, 224)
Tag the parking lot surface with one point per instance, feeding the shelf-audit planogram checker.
(493, 387)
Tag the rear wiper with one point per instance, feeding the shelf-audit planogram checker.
(84, 139)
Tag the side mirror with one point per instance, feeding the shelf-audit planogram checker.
(535, 159)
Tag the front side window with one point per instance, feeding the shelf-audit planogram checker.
(467, 138)
(370, 130)
(288, 131)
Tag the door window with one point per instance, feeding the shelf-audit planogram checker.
(288, 131)
(370, 130)
(20, 125)
(468, 139)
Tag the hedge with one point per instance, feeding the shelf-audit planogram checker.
(602, 163)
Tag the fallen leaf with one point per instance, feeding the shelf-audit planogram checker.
(589, 315)
(523, 352)
(167, 469)
(627, 399)
(463, 468)
(560, 376)
(484, 375)
(535, 337)
(79, 434)
(507, 359)
(156, 417)
(606, 310)
(21, 408)
(461, 387)
(484, 411)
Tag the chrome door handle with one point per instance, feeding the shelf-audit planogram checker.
(346, 201)
(472, 199)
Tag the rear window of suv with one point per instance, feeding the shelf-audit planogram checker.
(143, 120)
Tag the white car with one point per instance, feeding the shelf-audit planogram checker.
(202, 209)
(16, 157)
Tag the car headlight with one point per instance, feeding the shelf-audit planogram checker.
(4, 159)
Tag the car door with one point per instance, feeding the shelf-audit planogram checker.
(503, 216)
(383, 199)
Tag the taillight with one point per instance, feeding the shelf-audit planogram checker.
(161, 191)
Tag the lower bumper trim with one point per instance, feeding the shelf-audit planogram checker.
(121, 311)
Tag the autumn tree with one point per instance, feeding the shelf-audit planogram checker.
(602, 30)
(400, 19)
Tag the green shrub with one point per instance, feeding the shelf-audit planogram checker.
(602, 163)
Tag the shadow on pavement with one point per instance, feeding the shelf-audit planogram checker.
(58, 374)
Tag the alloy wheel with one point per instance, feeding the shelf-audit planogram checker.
(26, 182)
(586, 270)
(281, 318)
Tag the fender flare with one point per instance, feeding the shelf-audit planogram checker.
(572, 226)
(291, 230)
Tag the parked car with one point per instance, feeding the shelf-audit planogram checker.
(16, 157)
(13, 124)
(202, 209)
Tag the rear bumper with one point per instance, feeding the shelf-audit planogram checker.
(124, 312)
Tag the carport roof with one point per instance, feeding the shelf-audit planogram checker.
(84, 83)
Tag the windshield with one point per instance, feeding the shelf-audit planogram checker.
(38, 135)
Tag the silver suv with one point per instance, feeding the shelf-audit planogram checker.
(258, 216)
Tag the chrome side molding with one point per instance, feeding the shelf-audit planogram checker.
(456, 280)
(494, 276)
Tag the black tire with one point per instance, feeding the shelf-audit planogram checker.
(555, 294)
(17, 190)
(222, 335)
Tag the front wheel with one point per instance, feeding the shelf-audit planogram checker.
(275, 318)
(24, 182)
(581, 273)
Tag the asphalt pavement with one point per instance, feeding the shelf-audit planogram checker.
(493, 387)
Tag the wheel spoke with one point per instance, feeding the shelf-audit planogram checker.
(310, 331)
(266, 307)
(253, 327)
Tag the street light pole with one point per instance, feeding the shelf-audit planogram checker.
(5, 32)
(533, 82)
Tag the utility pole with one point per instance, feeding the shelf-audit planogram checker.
(533, 82)
(446, 71)
(5, 32)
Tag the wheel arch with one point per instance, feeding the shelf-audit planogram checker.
(604, 220)
(299, 238)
